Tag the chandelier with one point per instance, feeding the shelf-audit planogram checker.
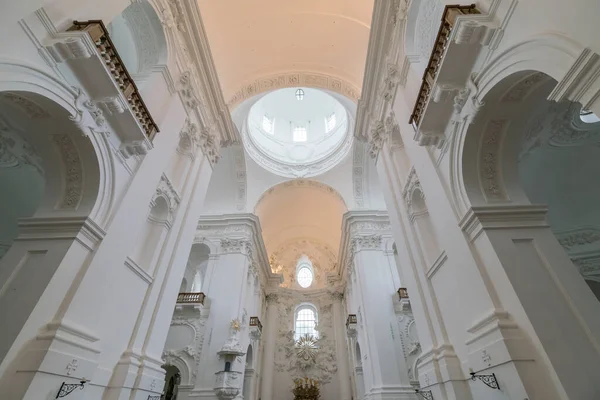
(306, 389)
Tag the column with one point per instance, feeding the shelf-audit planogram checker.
(341, 348)
(385, 372)
(268, 364)
(139, 369)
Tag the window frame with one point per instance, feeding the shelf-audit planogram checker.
(329, 126)
(299, 130)
(314, 332)
(310, 270)
(271, 122)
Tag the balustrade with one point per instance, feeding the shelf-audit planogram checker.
(254, 321)
(351, 319)
(191, 298)
(451, 12)
(108, 53)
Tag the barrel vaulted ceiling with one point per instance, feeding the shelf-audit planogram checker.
(254, 39)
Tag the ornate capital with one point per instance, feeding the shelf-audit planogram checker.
(371, 242)
(336, 296)
(243, 246)
(272, 298)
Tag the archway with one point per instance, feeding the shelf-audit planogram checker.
(172, 382)
(529, 153)
(521, 164)
(358, 370)
(51, 178)
(197, 265)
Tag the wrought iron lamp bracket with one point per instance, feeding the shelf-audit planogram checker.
(489, 380)
(426, 394)
(68, 388)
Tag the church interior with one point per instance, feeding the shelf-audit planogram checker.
(299, 200)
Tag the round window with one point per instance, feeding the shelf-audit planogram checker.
(305, 277)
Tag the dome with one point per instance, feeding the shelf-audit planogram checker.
(297, 132)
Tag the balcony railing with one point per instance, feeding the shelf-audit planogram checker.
(403, 293)
(351, 319)
(254, 321)
(190, 298)
(435, 60)
(108, 53)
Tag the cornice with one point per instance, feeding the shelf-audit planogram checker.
(367, 224)
(207, 73)
(247, 226)
(382, 73)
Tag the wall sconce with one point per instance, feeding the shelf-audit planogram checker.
(68, 388)
(426, 394)
(489, 380)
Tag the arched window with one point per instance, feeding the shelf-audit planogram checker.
(305, 321)
(304, 272)
(305, 276)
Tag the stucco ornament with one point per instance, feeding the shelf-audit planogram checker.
(312, 357)
(306, 348)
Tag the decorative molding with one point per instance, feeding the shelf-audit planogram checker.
(209, 143)
(139, 271)
(358, 173)
(297, 170)
(241, 178)
(90, 116)
(73, 172)
(322, 364)
(166, 190)
(29, 107)
(191, 351)
(188, 139)
(236, 246)
(285, 259)
(523, 88)
(371, 242)
(16, 151)
(578, 237)
(361, 230)
(293, 79)
(580, 78)
(412, 184)
(489, 159)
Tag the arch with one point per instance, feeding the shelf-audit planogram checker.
(181, 365)
(55, 123)
(551, 55)
(357, 355)
(34, 91)
(249, 357)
